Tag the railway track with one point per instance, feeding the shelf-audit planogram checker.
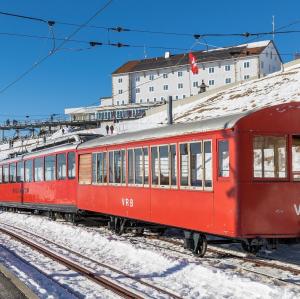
(226, 253)
(104, 280)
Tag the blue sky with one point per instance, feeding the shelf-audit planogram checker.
(78, 78)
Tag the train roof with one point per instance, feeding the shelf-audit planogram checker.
(206, 125)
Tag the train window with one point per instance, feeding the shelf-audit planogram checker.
(173, 158)
(20, 171)
(296, 157)
(146, 166)
(5, 174)
(154, 165)
(117, 167)
(207, 164)
(111, 167)
(123, 168)
(94, 168)
(71, 165)
(38, 169)
(223, 158)
(1, 174)
(164, 165)
(61, 166)
(196, 164)
(130, 167)
(184, 165)
(85, 167)
(269, 157)
(50, 168)
(138, 169)
(12, 173)
(29, 171)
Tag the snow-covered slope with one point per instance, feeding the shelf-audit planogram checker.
(277, 88)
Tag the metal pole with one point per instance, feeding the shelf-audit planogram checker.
(170, 111)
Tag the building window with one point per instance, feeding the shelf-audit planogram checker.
(165, 76)
(183, 96)
(166, 87)
(269, 157)
(151, 88)
(246, 64)
(271, 55)
(137, 79)
(246, 77)
(180, 85)
(141, 100)
(123, 102)
(120, 91)
(227, 68)
(120, 80)
(211, 70)
(262, 64)
(228, 80)
(154, 99)
(211, 82)
(203, 67)
(223, 155)
(176, 97)
(148, 100)
(195, 84)
(179, 74)
(137, 90)
(117, 102)
(151, 77)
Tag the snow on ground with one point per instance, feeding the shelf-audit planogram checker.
(189, 279)
(277, 88)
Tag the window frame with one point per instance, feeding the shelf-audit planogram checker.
(190, 187)
(222, 178)
(287, 164)
(291, 172)
(76, 166)
(143, 185)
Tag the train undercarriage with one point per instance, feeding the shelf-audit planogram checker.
(194, 241)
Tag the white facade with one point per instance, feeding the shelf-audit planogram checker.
(155, 85)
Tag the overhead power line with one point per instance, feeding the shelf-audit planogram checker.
(123, 29)
(40, 61)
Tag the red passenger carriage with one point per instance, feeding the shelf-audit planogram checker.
(235, 176)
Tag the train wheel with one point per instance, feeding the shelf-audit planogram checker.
(200, 245)
(251, 248)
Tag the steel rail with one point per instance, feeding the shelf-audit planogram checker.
(140, 281)
(117, 289)
(258, 262)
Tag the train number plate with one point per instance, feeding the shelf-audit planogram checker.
(127, 202)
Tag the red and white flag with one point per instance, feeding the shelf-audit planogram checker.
(193, 64)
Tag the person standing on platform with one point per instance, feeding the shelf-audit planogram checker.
(107, 129)
(111, 129)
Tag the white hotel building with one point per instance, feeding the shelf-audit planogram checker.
(153, 80)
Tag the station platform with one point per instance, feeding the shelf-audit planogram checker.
(11, 287)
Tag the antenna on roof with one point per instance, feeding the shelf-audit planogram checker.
(273, 27)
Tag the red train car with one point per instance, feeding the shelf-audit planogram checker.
(235, 176)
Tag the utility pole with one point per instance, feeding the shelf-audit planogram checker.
(273, 27)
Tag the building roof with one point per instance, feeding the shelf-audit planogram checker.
(212, 124)
(201, 56)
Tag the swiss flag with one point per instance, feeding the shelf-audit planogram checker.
(193, 64)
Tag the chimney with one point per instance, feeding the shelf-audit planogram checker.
(167, 55)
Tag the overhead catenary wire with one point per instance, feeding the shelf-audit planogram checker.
(123, 29)
(40, 61)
